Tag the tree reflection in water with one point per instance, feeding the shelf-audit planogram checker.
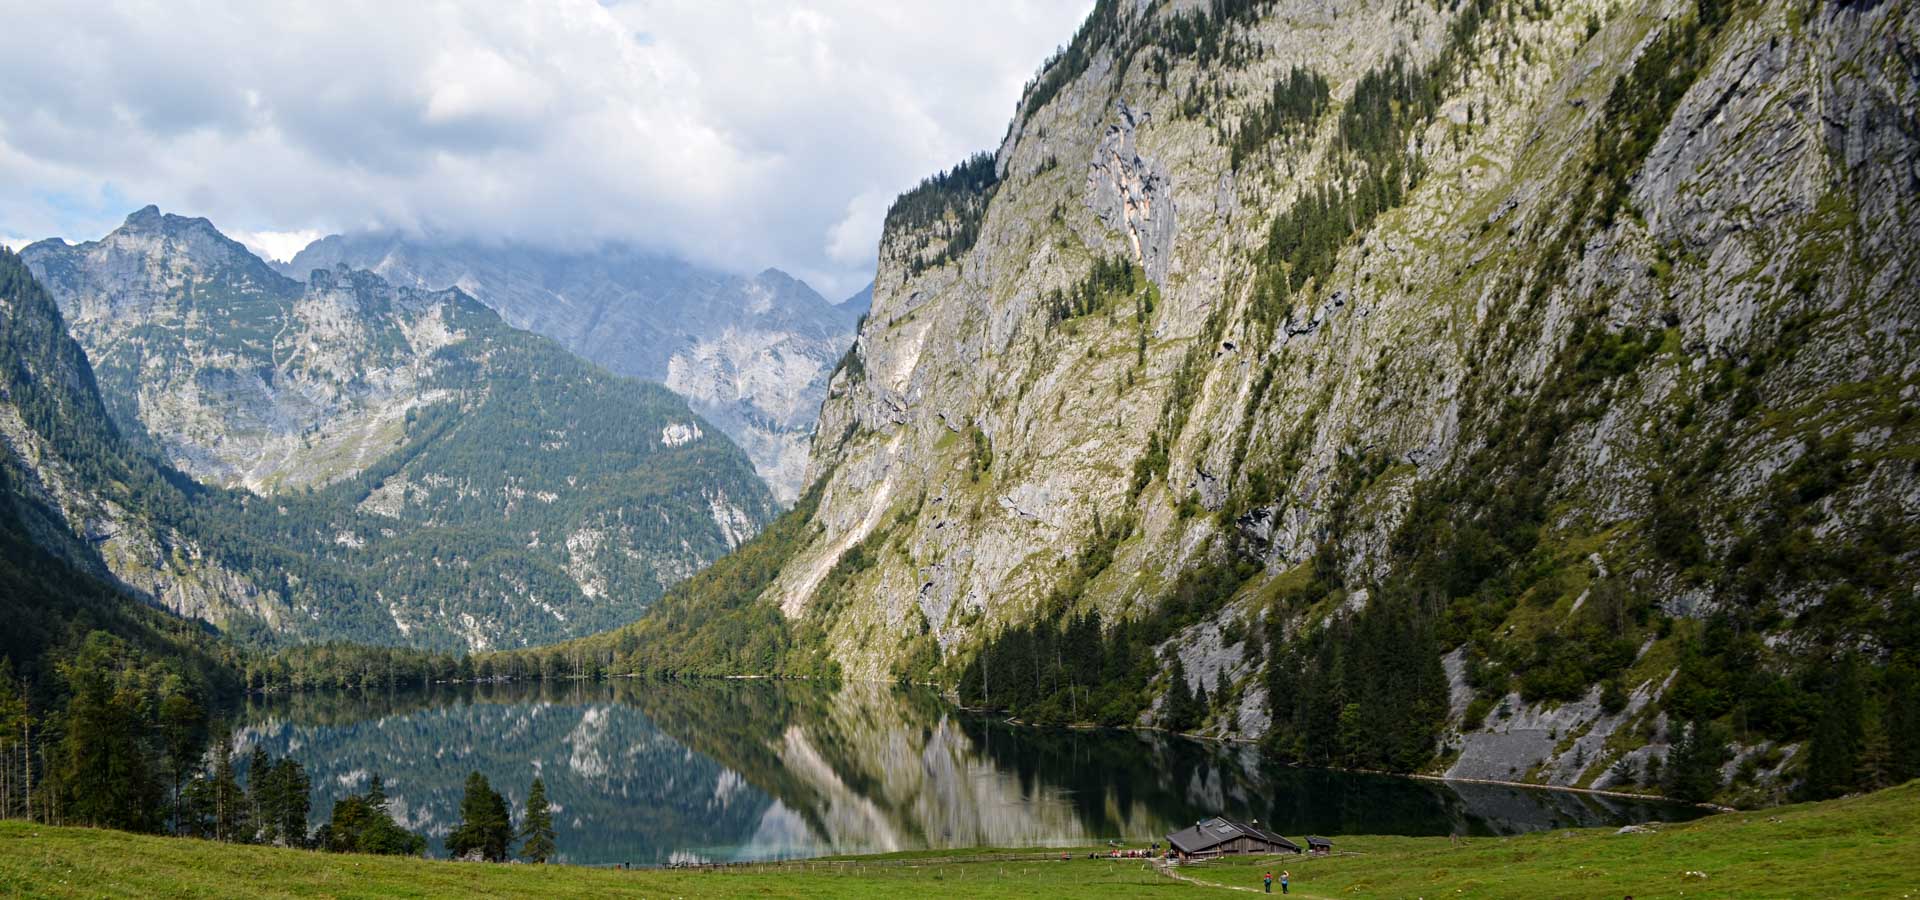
(652, 772)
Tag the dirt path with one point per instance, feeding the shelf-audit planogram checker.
(1174, 873)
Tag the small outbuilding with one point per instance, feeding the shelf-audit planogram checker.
(1319, 845)
(1220, 837)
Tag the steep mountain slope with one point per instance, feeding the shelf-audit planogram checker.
(751, 354)
(54, 586)
(463, 483)
(1485, 388)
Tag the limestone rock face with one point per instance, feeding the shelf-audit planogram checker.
(750, 354)
(1764, 248)
(243, 377)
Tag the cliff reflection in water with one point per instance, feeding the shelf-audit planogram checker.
(649, 772)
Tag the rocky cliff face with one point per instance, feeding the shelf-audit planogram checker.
(77, 490)
(751, 354)
(243, 377)
(461, 483)
(1549, 324)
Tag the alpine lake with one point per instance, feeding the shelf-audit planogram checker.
(647, 773)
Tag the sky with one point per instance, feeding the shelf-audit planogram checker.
(733, 133)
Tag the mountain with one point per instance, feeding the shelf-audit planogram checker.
(54, 585)
(750, 354)
(1494, 389)
(432, 476)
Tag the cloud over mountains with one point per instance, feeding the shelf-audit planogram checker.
(743, 134)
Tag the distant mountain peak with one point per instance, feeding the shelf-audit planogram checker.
(150, 218)
(751, 352)
(204, 241)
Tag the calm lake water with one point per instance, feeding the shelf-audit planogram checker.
(651, 773)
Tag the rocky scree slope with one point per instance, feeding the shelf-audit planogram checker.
(752, 355)
(1486, 389)
(461, 483)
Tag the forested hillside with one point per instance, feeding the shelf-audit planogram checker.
(1501, 389)
(90, 676)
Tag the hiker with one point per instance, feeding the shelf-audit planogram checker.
(1268, 881)
(1284, 875)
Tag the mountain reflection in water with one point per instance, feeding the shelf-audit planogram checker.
(652, 772)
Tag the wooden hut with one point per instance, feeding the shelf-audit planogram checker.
(1319, 845)
(1220, 837)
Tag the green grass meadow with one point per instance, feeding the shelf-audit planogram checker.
(1866, 846)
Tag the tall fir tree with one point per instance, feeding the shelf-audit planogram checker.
(292, 801)
(484, 827)
(1833, 754)
(258, 820)
(229, 801)
(16, 722)
(1179, 710)
(105, 772)
(537, 831)
(1903, 723)
(362, 824)
(181, 723)
(1693, 765)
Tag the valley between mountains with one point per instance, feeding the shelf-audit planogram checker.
(1500, 390)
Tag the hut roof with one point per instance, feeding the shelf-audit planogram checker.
(1216, 831)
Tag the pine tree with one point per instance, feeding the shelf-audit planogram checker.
(1693, 766)
(105, 774)
(537, 831)
(1833, 755)
(484, 828)
(259, 765)
(292, 801)
(180, 729)
(229, 802)
(1875, 768)
(15, 721)
(361, 824)
(1178, 709)
(1903, 724)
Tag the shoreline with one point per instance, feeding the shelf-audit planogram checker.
(1418, 776)
(951, 697)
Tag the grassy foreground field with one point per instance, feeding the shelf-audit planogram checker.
(1867, 846)
(1860, 847)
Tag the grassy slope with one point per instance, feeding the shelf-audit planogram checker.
(1865, 846)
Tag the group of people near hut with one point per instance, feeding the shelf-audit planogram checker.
(1121, 854)
(1115, 851)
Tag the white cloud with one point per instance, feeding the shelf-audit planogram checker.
(742, 134)
(278, 246)
(853, 239)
